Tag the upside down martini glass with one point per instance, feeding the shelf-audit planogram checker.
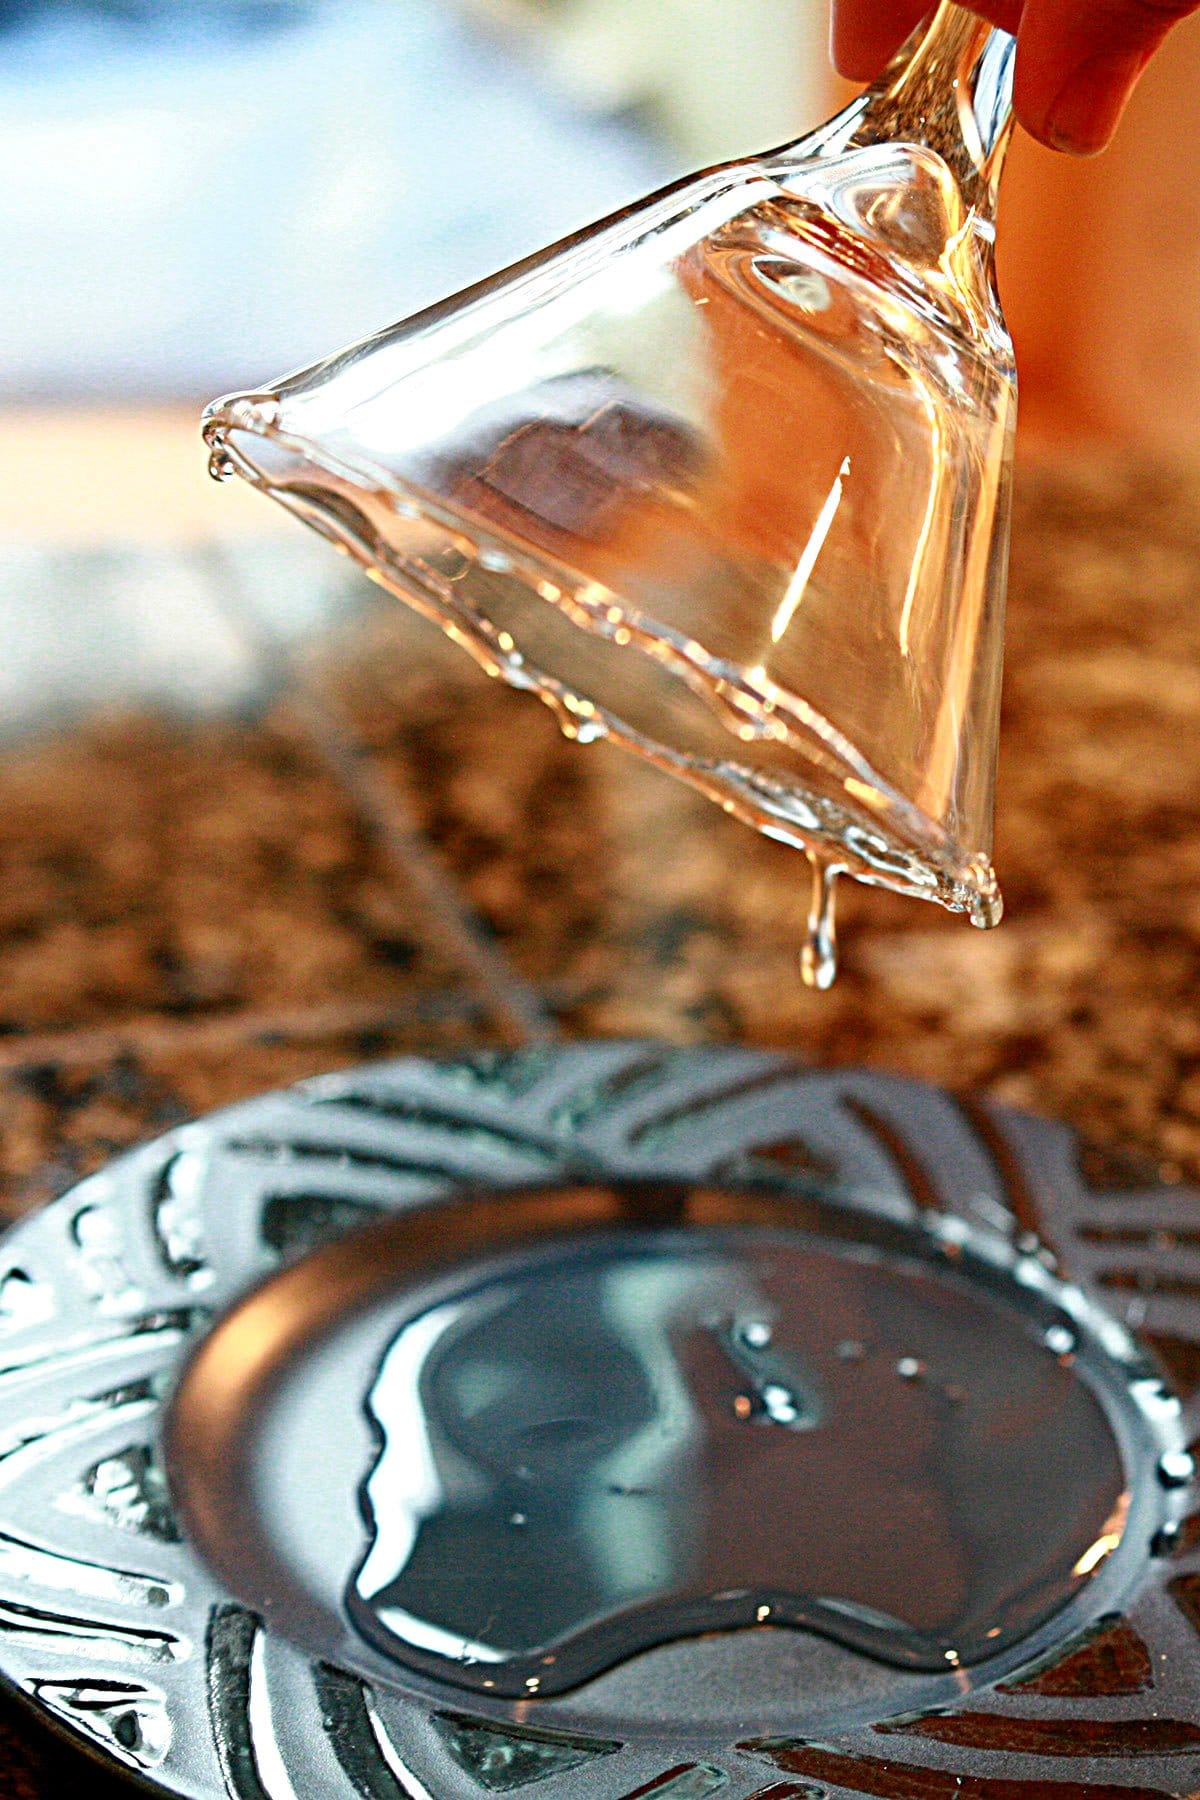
(724, 479)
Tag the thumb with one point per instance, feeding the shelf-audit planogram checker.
(1078, 64)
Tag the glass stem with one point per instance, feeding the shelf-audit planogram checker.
(951, 89)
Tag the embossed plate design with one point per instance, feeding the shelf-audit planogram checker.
(244, 1624)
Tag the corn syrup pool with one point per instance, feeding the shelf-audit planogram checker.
(605, 1418)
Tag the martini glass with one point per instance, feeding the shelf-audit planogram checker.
(724, 479)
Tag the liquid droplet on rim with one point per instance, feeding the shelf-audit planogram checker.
(985, 907)
(1176, 1468)
(780, 1404)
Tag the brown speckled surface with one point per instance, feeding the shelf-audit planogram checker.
(372, 850)
(653, 913)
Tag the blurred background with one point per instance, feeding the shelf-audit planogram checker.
(199, 194)
(257, 821)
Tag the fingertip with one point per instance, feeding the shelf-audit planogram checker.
(847, 54)
(865, 34)
(1077, 67)
(1082, 116)
(851, 65)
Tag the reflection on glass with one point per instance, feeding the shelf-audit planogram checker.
(724, 479)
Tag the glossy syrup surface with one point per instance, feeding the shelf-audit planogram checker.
(623, 1440)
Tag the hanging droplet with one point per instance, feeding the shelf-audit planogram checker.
(985, 904)
(819, 963)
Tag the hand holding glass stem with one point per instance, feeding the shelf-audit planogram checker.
(1078, 61)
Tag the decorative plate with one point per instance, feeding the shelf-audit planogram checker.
(609, 1421)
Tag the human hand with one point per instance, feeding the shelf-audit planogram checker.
(1078, 61)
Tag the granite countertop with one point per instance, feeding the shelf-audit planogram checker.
(346, 844)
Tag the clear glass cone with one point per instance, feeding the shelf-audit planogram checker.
(724, 478)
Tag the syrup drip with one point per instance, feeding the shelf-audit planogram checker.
(819, 959)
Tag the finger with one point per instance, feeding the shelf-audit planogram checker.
(1077, 65)
(868, 33)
